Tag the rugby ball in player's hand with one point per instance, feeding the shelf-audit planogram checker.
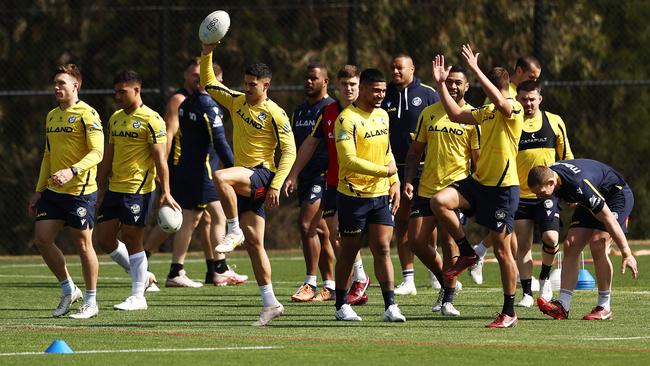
(170, 220)
(214, 27)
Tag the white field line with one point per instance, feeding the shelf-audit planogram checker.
(111, 263)
(150, 350)
(617, 338)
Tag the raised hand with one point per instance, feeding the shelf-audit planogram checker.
(470, 56)
(439, 71)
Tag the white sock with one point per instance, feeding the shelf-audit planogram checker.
(565, 298)
(121, 256)
(329, 284)
(480, 249)
(268, 297)
(604, 299)
(138, 273)
(67, 286)
(408, 276)
(233, 225)
(91, 297)
(311, 280)
(359, 274)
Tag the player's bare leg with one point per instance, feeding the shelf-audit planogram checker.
(524, 234)
(46, 232)
(308, 221)
(230, 182)
(177, 276)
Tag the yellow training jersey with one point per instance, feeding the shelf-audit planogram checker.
(134, 169)
(543, 141)
(449, 149)
(257, 129)
(363, 151)
(73, 137)
(497, 165)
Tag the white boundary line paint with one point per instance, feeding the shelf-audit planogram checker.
(150, 350)
(617, 338)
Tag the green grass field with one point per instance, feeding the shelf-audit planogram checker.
(181, 322)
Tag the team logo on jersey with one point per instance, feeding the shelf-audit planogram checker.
(500, 215)
(135, 209)
(72, 119)
(388, 104)
(342, 136)
(161, 133)
(96, 126)
(594, 201)
(262, 116)
(81, 212)
(316, 189)
(137, 124)
(286, 127)
(217, 122)
(416, 101)
(548, 203)
(579, 191)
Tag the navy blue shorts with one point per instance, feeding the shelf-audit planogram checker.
(494, 207)
(77, 211)
(545, 212)
(311, 190)
(421, 207)
(193, 190)
(620, 203)
(130, 208)
(401, 170)
(356, 213)
(213, 159)
(260, 182)
(328, 202)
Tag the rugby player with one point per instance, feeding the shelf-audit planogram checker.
(259, 126)
(66, 191)
(604, 202)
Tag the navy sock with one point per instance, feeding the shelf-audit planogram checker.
(526, 285)
(465, 249)
(220, 266)
(209, 264)
(545, 273)
(341, 298)
(389, 298)
(448, 295)
(147, 253)
(508, 305)
(174, 270)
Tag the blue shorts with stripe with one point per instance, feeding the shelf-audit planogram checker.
(494, 207)
(620, 203)
(355, 213)
(192, 188)
(260, 182)
(130, 208)
(78, 212)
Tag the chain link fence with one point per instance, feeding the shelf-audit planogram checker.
(593, 53)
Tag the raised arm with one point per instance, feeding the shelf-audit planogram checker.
(492, 92)
(218, 137)
(455, 113)
(217, 90)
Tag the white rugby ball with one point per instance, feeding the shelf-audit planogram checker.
(170, 220)
(214, 27)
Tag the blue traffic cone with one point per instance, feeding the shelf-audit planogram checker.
(59, 346)
(585, 280)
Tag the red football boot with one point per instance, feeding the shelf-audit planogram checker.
(552, 308)
(598, 313)
(503, 321)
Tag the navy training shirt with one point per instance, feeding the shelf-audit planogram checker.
(587, 182)
(303, 121)
(404, 108)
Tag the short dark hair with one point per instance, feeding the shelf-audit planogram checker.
(526, 62)
(369, 76)
(127, 76)
(458, 69)
(529, 86)
(348, 71)
(539, 175)
(194, 61)
(499, 77)
(401, 55)
(318, 65)
(259, 70)
(70, 69)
